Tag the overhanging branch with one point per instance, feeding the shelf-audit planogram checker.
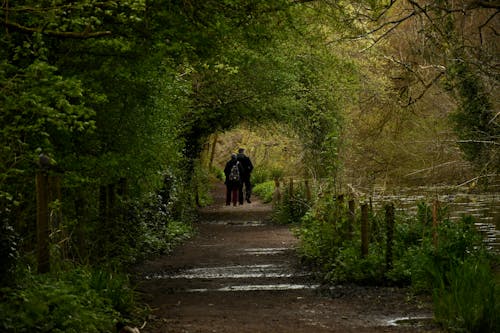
(60, 34)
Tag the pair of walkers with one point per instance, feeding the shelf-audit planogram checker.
(238, 170)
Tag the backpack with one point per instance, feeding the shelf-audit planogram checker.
(234, 175)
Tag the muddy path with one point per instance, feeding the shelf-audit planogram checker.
(241, 274)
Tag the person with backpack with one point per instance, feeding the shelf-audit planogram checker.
(233, 171)
(247, 167)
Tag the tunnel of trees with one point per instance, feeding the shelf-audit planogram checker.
(120, 97)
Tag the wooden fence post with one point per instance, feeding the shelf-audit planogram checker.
(308, 190)
(42, 221)
(389, 220)
(351, 217)
(364, 230)
(291, 188)
(435, 221)
(123, 187)
(277, 192)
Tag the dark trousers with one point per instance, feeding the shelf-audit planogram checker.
(248, 190)
(231, 194)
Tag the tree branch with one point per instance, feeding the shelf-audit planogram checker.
(482, 26)
(61, 34)
(484, 4)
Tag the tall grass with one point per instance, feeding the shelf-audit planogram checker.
(467, 298)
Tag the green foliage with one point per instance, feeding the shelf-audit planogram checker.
(148, 229)
(76, 301)
(475, 119)
(332, 245)
(128, 91)
(9, 251)
(449, 261)
(292, 206)
(264, 191)
(467, 297)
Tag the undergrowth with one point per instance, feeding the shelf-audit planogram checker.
(80, 300)
(449, 262)
(264, 191)
(92, 293)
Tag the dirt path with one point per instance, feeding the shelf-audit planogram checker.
(241, 274)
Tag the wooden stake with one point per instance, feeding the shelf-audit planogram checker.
(389, 221)
(435, 222)
(351, 217)
(277, 192)
(364, 230)
(308, 190)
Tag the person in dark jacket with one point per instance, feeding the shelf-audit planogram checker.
(247, 167)
(233, 179)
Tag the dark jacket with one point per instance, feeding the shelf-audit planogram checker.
(246, 164)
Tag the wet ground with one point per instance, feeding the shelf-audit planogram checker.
(241, 274)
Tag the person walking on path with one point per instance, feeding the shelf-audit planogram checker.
(247, 167)
(233, 171)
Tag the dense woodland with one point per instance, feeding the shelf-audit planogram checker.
(119, 102)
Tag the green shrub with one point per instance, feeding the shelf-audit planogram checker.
(8, 250)
(332, 245)
(263, 174)
(467, 298)
(77, 301)
(264, 191)
(292, 208)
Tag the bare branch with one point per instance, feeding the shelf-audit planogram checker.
(426, 87)
(484, 4)
(482, 26)
(480, 141)
(426, 84)
(394, 24)
(60, 34)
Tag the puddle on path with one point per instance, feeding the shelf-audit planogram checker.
(259, 287)
(236, 223)
(409, 321)
(265, 251)
(232, 272)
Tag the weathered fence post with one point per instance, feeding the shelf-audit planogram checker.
(277, 192)
(435, 211)
(364, 230)
(123, 187)
(291, 188)
(389, 220)
(42, 215)
(308, 190)
(351, 217)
